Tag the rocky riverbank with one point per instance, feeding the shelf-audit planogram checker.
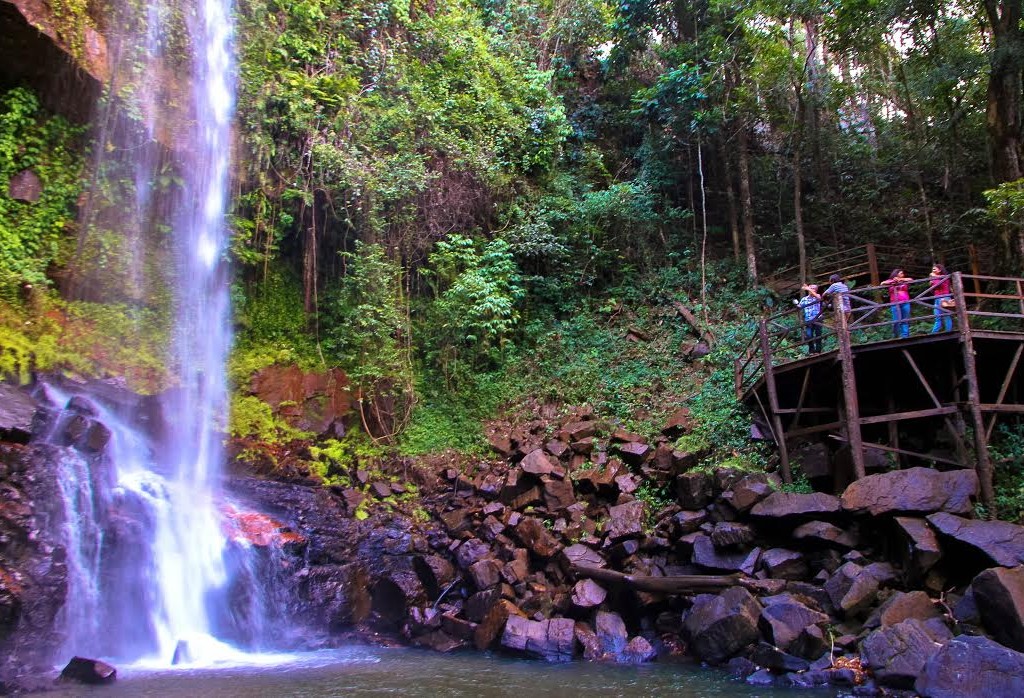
(580, 540)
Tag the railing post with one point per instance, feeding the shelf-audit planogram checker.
(972, 256)
(773, 402)
(873, 265)
(984, 465)
(853, 435)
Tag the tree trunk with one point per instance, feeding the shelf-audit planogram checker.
(798, 210)
(734, 219)
(1004, 89)
(746, 205)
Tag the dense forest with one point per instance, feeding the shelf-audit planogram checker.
(469, 205)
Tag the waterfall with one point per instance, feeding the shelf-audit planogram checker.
(150, 564)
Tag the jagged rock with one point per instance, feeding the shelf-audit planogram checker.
(587, 593)
(693, 490)
(788, 504)
(558, 494)
(1000, 541)
(537, 462)
(914, 490)
(683, 461)
(480, 603)
(625, 521)
(852, 589)
(678, 424)
(553, 639)
(761, 677)
(536, 538)
(492, 625)
(689, 521)
(520, 490)
(501, 444)
(780, 563)
(485, 573)
(769, 657)
(471, 551)
(903, 606)
(999, 595)
(90, 671)
(748, 491)
(898, 653)
(579, 554)
(810, 643)
(633, 453)
(921, 549)
(457, 627)
(972, 666)
(398, 589)
(439, 641)
(730, 533)
(626, 483)
(574, 431)
(782, 621)
(638, 650)
(719, 626)
(826, 534)
(17, 412)
(706, 555)
(611, 633)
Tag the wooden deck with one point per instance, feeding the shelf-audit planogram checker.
(877, 401)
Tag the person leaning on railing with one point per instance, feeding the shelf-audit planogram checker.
(899, 297)
(944, 302)
(810, 308)
(838, 292)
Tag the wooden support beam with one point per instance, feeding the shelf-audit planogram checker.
(806, 410)
(913, 414)
(816, 429)
(905, 452)
(1000, 409)
(803, 396)
(1003, 388)
(893, 426)
(849, 380)
(984, 465)
(682, 584)
(773, 403)
(876, 278)
(953, 432)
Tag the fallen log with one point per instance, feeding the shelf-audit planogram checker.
(698, 329)
(682, 584)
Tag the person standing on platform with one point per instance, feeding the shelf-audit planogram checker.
(944, 303)
(899, 298)
(838, 293)
(810, 307)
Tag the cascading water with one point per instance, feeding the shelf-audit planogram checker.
(150, 563)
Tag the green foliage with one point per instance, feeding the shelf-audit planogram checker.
(336, 460)
(445, 419)
(1007, 451)
(251, 418)
(32, 234)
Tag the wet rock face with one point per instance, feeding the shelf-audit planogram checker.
(17, 413)
(33, 573)
(308, 401)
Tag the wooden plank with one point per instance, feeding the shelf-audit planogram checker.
(773, 403)
(1005, 386)
(805, 410)
(984, 465)
(679, 584)
(905, 452)
(849, 381)
(816, 429)
(913, 414)
(1007, 409)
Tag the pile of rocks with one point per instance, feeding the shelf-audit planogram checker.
(870, 586)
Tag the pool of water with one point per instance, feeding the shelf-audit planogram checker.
(405, 672)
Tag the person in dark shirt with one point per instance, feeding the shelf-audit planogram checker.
(810, 308)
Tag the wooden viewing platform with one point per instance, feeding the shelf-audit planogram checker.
(870, 399)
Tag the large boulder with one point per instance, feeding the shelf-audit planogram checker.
(784, 618)
(1000, 541)
(625, 521)
(536, 538)
(852, 589)
(898, 653)
(308, 401)
(914, 490)
(720, 626)
(90, 671)
(825, 534)
(789, 504)
(17, 411)
(903, 606)
(999, 595)
(972, 666)
(611, 633)
(552, 639)
(709, 557)
(920, 550)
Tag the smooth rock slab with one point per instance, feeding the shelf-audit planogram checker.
(789, 504)
(1001, 541)
(972, 666)
(914, 490)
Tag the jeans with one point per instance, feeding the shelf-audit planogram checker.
(812, 332)
(901, 320)
(942, 317)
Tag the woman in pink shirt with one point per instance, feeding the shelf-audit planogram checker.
(940, 289)
(899, 296)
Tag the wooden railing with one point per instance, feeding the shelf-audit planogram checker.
(871, 263)
(981, 304)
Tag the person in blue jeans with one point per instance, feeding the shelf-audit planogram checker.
(899, 297)
(810, 308)
(943, 299)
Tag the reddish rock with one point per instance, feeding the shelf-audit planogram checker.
(587, 593)
(485, 573)
(537, 462)
(458, 627)
(611, 633)
(972, 666)
(625, 521)
(852, 589)
(689, 521)
(574, 431)
(559, 449)
(748, 491)
(706, 555)
(678, 424)
(536, 538)
(25, 187)
(693, 490)
(921, 550)
(897, 654)
(307, 401)
(638, 650)
(729, 533)
(903, 606)
(492, 625)
(720, 626)
(634, 452)
(501, 444)
(780, 563)
(914, 490)
(784, 618)
(558, 494)
(626, 483)
(579, 554)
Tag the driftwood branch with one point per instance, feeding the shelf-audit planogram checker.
(683, 584)
(702, 332)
